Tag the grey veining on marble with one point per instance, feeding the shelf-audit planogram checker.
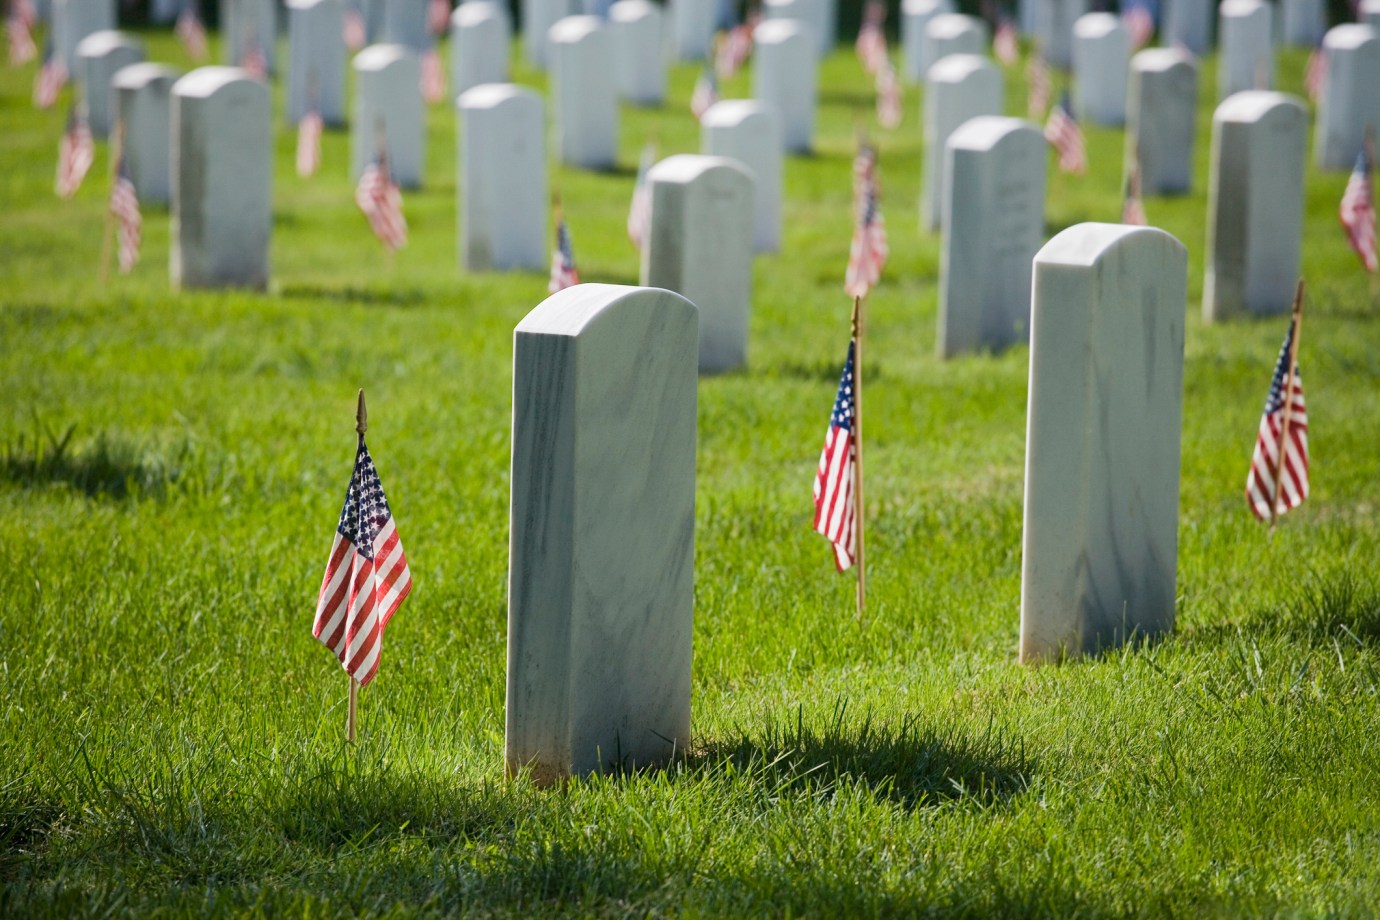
(222, 169)
(1187, 23)
(99, 56)
(1303, 22)
(915, 19)
(246, 25)
(388, 95)
(584, 93)
(1245, 35)
(1100, 539)
(481, 35)
(1350, 101)
(502, 181)
(143, 100)
(958, 87)
(1054, 21)
(637, 29)
(785, 76)
(994, 220)
(602, 532)
(954, 33)
(73, 20)
(1101, 60)
(316, 61)
(1161, 119)
(748, 131)
(1255, 205)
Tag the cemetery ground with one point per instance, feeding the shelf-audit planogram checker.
(172, 466)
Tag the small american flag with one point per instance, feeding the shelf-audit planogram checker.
(1132, 209)
(868, 251)
(889, 108)
(834, 506)
(1315, 74)
(640, 210)
(1005, 43)
(353, 29)
(871, 42)
(26, 11)
(52, 77)
(380, 199)
(76, 152)
(124, 205)
(734, 49)
(564, 274)
(706, 93)
(1037, 78)
(1063, 132)
(433, 77)
(254, 62)
(192, 33)
(367, 576)
(1139, 24)
(1293, 480)
(1357, 212)
(21, 39)
(438, 16)
(309, 144)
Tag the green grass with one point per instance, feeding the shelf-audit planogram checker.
(171, 467)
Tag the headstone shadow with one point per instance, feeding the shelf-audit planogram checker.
(106, 465)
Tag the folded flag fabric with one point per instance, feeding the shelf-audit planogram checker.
(129, 224)
(1063, 132)
(1357, 212)
(1285, 399)
(379, 197)
(76, 152)
(834, 486)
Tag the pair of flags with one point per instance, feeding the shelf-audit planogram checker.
(76, 154)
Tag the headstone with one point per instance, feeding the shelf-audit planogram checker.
(748, 132)
(250, 25)
(915, 19)
(480, 37)
(405, 23)
(959, 87)
(785, 77)
(143, 101)
(73, 20)
(165, 11)
(388, 95)
(1027, 16)
(1100, 540)
(585, 94)
(692, 29)
(1247, 59)
(1304, 22)
(994, 220)
(636, 30)
(1255, 204)
(602, 532)
(222, 173)
(316, 60)
(99, 56)
(1161, 119)
(954, 33)
(815, 14)
(700, 246)
(1369, 13)
(1054, 21)
(1187, 23)
(1101, 58)
(538, 16)
(1350, 103)
(502, 180)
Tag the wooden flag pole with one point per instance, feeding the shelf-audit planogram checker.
(117, 150)
(1288, 404)
(351, 714)
(858, 505)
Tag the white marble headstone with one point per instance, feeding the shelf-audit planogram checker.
(388, 95)
(73, 20)
(1369, 14)
(1255, 204)
(222, 178)
(1054, 21)
(143, 100)
(636, 29)
(1350, 102)
(785, 76)
(748, 131)
(700, 245)
(538, 16)
(958, 87)
(954, 33)
(915, 19)
(692, 28)
(316, 60)
(601, 532)
(1103, 426)
(165, 11)
(99, 56)
(816, 14)
(1101, 59)
(250, 25)
(1161, 119)
(480, 37)
(1187, 23)
(502, 182)
(1304, 22)
(584, 93)
(405, 23)
(1245, 34)
(994, 223)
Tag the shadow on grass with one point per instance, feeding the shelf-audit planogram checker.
(104, 466)
(818, 370)
(399, 297)
(1342, 606)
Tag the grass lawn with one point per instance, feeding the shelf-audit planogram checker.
(172, 466)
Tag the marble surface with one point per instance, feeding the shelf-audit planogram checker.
(388, 95)
(222, 169)
(915, 19)
(748, 131)
(316, 61)
(954, 33)
(1303, 22)
(245, 23)
(73, 20)
(99, 56)
(692, 29)
(958, 87)
(1161, 119)
(700, 246)
(480, 35)
(602, 532)
(1255, 205)
(1350, 102)
(1054, 21)
(143, 99)
(584, 93)
(1101, 60)
(405, 23)
(1369, 14)
(1187, 23)
(636, 28)
(785, 76)
(1099, 546)
(502, 181)
(538, 16)
(994, 223)
(817, 15)
(1245, 35)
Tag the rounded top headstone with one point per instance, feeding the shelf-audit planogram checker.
(570, 311)
(304, 4)
(1158, 59)
(1098, 25)
(955, 68)
(631, 10)
(135, 76)
(687, 167)
(381, 57)
(952, 25)
(729, 112)
(1087, 244)
(776, 31)
(468, 15)
(99, 44)
(574, 29)
(1348, 36)
(489, 95)
(205, 82)
(1255, 104)
(1235, 8)
(987, 131)
(921, 7)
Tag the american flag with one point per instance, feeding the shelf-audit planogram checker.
(834, 506)
(367, 576)
(192, 33)
(353, 29)
(734, 49)
(52, 77)
(889, 108)
(871, 42)
(1293, 484)
(380, 199)
(1037, 78)
(868, 251)
(564, 274)
(1139, 24)
(26, 11)
(1315, 74)
(309, 144)
(706, 93)
(21, 40)
(124, 205)
(1005, 43)
(438, 16)
(1357, 212)
(433, 77)
(1063, 132)
(76, 152)
(640, 210)
(1132, 209)
(253, 60)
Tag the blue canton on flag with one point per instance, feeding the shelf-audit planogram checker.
(1292, 487)
(834, 513)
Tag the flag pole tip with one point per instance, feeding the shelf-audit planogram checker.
(361, 415)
